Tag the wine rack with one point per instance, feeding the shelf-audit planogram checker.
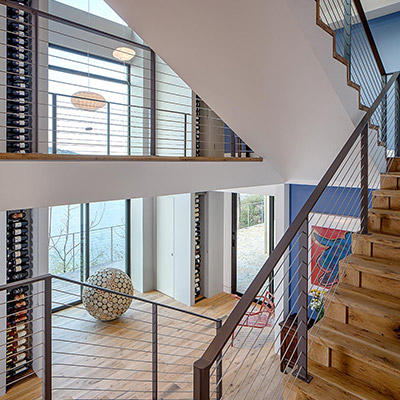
(19, 136)
(198, 245)
(197, 126)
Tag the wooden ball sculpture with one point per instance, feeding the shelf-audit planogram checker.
(103, 305)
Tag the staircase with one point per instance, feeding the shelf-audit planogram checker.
(356, 354)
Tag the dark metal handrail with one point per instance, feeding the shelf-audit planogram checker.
(203, 365)
(370, 37)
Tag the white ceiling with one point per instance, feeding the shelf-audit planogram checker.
(255, 66)
(377, 8)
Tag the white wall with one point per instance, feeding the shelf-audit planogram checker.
(57, 183)
(263, 79)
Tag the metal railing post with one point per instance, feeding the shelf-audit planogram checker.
(302, 313)
(108, 128)
(153, 77)
(154, 369)
(219, 365)
(185, 136)
(47, 354)
(54, 124)
(364, 181)
(201, 381)
(384, 115)
(397, 117)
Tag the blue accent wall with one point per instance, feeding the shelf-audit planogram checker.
(335, 200)
(386, 32)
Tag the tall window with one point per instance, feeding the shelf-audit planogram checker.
(74, 129)
(84, 238)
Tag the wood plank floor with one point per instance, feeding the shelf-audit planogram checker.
(96, 360)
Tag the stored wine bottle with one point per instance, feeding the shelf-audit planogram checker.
(19, 290)
(17, 341)
(17, 246)
(18, 253)
(19, 108)
(17, 371)
(18, 276)
(17, 239)
(17, 224)
(12, 361)
(16, 93)
(18, 55)
(13, 319)
(18, 26)
(15, 350)
(18, 268)
(17, 231)
(17, 306)
(12, 79)
(17, 215)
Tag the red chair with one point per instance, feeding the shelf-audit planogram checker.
(260, 315)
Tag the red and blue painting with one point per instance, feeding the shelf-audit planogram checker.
(328, 247)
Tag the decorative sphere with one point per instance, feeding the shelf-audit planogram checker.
(103, 305)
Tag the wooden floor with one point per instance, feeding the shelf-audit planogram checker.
(96, 360)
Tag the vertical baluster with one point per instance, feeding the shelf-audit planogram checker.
(154, 329)
(364, 181)
(219, 366)
(397, 117)
(302, 314)
(47, 364)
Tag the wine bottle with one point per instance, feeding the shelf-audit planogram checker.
(17, 26)
(17, 215)
(12, 361)
(19, 290)
(18, 253)
(18, 268)
(16, 93)
(13, 319)
(14, 307)
(14, 350)
(17, 239)
(17, 340)
(17, 246)
(18, 276)
(19, 108)
(17, 231)
(18, 371)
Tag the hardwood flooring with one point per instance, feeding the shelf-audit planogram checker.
(113, 360)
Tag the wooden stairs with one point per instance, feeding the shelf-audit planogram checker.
(356, 354)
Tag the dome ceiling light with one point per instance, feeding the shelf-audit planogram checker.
(124, 53)
(88, 101)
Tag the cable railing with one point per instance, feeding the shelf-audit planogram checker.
(68, 93)
(305, 265)
(354, 45)
(147, 353)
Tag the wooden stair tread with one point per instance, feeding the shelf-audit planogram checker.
(382, 238)
(341, 381)
(319, 388)
(391, 173)
(373, 265)
(359, 349)
(386, 192)
(385, 212)
(388, 344)
(371, 301)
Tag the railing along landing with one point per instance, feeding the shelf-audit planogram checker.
(75, 92)
(148, 353)
(260, 363)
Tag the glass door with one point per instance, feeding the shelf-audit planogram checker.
(252, 237)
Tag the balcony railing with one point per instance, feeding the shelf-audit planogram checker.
(66, 92)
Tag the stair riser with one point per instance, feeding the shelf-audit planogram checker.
(393, 165)
(351, 276)
(362, 246)
(372, 375)
(390, 182)
(384, 224)
(384, 325)
(386, 202)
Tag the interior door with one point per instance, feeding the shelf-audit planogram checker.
(165, 245)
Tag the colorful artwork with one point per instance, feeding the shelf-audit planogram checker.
(328, 247)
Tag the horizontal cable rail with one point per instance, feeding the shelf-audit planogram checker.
(253, 356)
(354, 45)
(67, 93)
(147, 353)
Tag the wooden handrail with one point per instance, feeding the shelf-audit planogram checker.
(202, 366)
(370, 37)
